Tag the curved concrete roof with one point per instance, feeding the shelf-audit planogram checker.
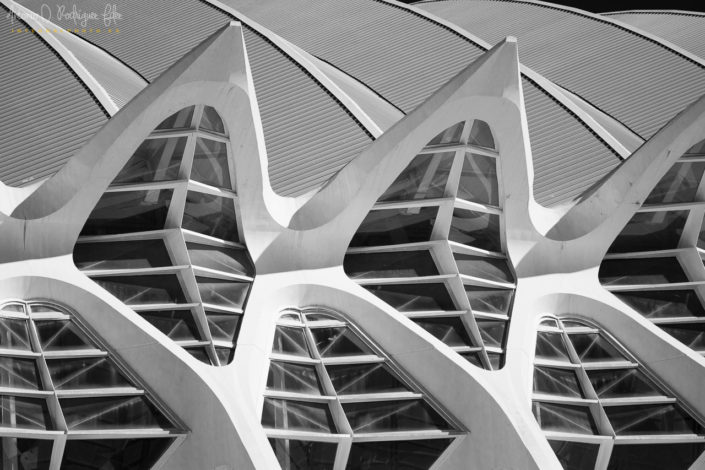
(682, 28)
(640, 82)
(398, 53)
(309, 134)
(47, 112)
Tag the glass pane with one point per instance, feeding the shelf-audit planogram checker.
(664, 304)
(690, 334)
(679, 184)
(481, 135)
(85, 373)
(14, 308)
(354, 379)
(651, 419)
(298, 378)
(450, 330)
(200, 354)
(564, 418)
(121, 255)
(697, 149)
(179, 120)
(550, 322)
(492, 332)
(489, 300)
(297, 416)
(111, 413)
(222, 292)
(210, 164)
(337, 342)
(395, 226)
(390, 264)
(13, 334)
(551, 346)
(551, 381)
(495, 360)
(408, 415)
(304, 455)
(641, 271)
(424, 178)
(291, 341)
(478, 180)
(575, 455)
(230, 260)
(211, 121)
(475, 229)
(25, 454)
(22, 412)
(137, 290)
(396, 455)
(178, 325)
(492, 269)
(113, 454)
(61, 335)
(129, 211)
(210, 215)
(648, 231)
(449, 136)
(414, 297)
(473, 358)
(154, 160)
(621, 383)
(19, 373)
(223, 327)
(225, 355)
(591, 347)
(655, 456)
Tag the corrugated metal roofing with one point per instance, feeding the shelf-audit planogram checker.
(684, 29)
(377, 43)
(309, 135)
(46, 112)
(567, 159)
(641, 83)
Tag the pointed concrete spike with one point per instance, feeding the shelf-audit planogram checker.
(215, 73)
(622, 192)
(487, 89)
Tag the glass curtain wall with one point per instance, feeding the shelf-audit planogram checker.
(165, 238)
(433, 246)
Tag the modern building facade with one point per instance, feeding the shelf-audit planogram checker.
(350, 235)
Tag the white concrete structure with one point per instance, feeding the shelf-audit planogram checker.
(168, 300)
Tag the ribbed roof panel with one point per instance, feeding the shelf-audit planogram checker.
(308, 134)
(685, 30)
(46, 112)
(402, 56)
(639, 82)
(567, 158)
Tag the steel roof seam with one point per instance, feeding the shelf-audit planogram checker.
(63, 61)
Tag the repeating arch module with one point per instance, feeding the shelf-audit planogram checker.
(335, 401)
(166, 239)
(433, 246)
(600, 408)
(655, 265)
(64, 398)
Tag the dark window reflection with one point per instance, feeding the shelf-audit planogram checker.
(211, 121)
(492, 269)
(641, 271)
(621, 383)
(648, 231)
(231, 260)
(690, 334)
(178, 325)
(390, 264)
(551, 346)
(564, 418)
(553, 381)
(114, 454)
(488, 300)
(304, 455)
(211, 215)
(112, 413)
(416, 455)
(481, 135)
(222, 292)
(25, 454)
(478, 180)
(424, 178)
(679, 184)
(24, 412)
(450, 330)
(210, 163)
(395, 226)
(449, 136)
(354, 379)
(129, 211)
(297, 416)
(492, 332)
(121, 255)
(14, 335)
(651, 419)
(664, 304)
(19, 373)
(136, 290)
(414, 297)
(575, 455)
(406, 415)
(476, 229)
(85, 373)
(655, 456)
(297, 378)
(154, 160)
(179, 120)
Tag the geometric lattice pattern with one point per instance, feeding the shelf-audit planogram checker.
(656, 263)
(433, 246)
(65, 399)
(165, 237)
(334, 401)
(596, 404)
